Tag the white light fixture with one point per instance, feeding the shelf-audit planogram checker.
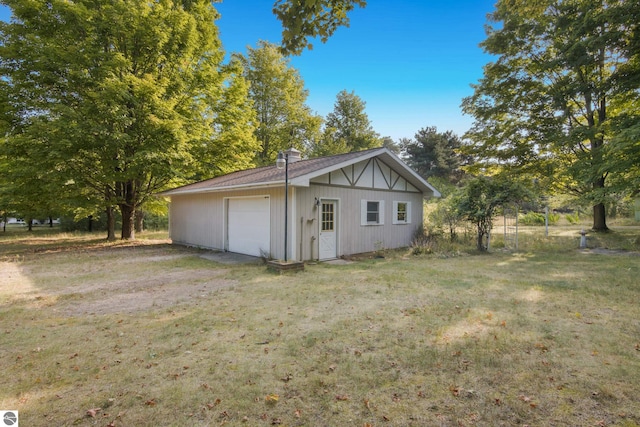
(280, 160)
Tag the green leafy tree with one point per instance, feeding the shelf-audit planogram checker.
(482, 196)
(302, 20)
(123, 97)
(543, 107)
(347, 127)
(622, 158)
(434, 154)
(446, 217)
(279, 100)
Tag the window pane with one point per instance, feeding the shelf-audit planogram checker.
(373, 212)
(402, 212)
(327, 217)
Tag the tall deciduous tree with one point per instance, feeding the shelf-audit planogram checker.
(302, 20)
(543, 107)
(347, 127)
(279, 100)
(122, 97)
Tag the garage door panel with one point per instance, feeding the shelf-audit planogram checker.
(249, 225)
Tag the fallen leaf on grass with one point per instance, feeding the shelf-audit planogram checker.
(287, 378)
(151, 402)
(543, 348)
(527, 399)
(214, 404)
(271, 398)
(93, 412)
(342, 397)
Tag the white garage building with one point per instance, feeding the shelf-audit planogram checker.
(337, 205)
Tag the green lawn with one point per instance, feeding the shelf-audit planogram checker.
(149, 334)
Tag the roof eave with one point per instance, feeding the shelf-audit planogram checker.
(179, 192)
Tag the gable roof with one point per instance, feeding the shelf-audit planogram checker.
(301, 172)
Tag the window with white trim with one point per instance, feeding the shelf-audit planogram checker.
(402, 212)
(372, 212)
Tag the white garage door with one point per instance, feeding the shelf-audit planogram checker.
(248, 229)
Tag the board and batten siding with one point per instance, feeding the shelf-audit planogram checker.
(200, 219)
(196, 220)
(353, 237)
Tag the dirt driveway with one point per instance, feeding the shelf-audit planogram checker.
(116, 280)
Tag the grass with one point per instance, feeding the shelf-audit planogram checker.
(150, 334)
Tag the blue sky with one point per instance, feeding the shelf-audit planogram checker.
(411, 61)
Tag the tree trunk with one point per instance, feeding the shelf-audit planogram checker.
(599, 210)
(90, 218)
(127, 193)
(479, 244)
(599, 218)
(128, 222)
(139, 224)
(30, 224)
(111, 224)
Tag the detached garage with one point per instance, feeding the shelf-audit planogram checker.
(336, 206)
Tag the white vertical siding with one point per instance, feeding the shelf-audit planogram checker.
(199, 219)
(353, 237)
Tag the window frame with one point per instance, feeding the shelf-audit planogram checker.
(397, 211)
(365, 212)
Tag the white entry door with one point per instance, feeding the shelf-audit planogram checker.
(328, 241)
(248, 225)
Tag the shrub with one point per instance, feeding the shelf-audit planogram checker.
(535, 218)
(572, 218)
(532, 218)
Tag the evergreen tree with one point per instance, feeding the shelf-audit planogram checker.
(434, 154)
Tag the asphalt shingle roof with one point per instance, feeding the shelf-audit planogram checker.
(271, 175)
